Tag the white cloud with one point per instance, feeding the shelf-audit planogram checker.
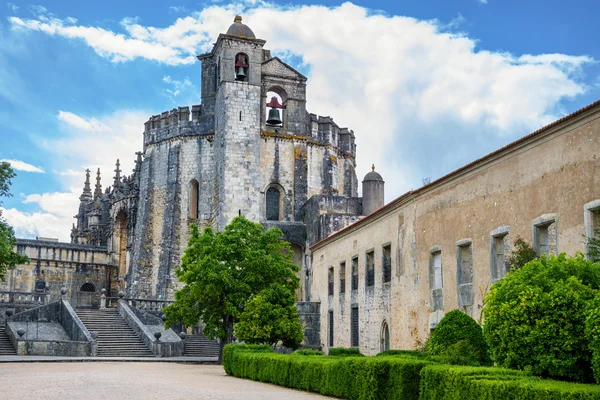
(482, 1)
(422, 99)
(90, 124)
(30, 225)
(12, 6)
(177, 86)
(23, 166)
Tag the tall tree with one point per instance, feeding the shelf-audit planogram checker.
(8, 258)
(222, 271)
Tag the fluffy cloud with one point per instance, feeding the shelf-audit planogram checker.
(176, 86)
(23, 166)
(421, 98)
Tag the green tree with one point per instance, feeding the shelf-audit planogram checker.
(271, 317)
(521, 254)
(222, 271)
(535, 317)
(8, 258)
(593, 244)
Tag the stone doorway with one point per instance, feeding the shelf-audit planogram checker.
(87, 296)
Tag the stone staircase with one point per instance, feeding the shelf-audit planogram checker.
(115, 336)
(200, 346)
(6, 346)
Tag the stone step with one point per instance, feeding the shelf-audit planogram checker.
(6, 346)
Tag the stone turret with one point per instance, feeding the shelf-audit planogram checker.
(373, 192)
(86, 195)
(98, 190)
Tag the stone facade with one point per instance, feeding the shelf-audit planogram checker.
(212, 162)
(450, 239)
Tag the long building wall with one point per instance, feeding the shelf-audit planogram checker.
(542, 188)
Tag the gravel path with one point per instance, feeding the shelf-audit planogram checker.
(129, 381)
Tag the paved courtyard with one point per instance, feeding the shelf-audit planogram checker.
(108, 380)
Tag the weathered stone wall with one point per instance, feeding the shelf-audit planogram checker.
(59, 264)
(536, 188)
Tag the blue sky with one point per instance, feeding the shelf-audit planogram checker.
(427, 86)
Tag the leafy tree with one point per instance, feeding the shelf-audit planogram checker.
(223, 271)
(592, 331)
(8, 258)
(458, 336)
(271, 317)
(535, 317)
(521, 254)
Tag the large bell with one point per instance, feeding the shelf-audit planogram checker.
(240, 75)
(274, 117)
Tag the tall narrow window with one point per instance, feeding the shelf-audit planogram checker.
(355, 273)
(193, 194)
(591, 222)
(343, 277)
(387, 263)
(370, 266)
(272, 207)
(385, 337)
(499, 252)
(545, 234)
(435, 280)
(464, 275)
(121, 238)
(354, 327)
(330, 282)
(330, 329)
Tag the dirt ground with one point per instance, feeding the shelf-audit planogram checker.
(132, 380)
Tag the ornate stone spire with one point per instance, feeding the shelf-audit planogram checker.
(117, 174)
(138, 162)
(87, 191)
(98, 190)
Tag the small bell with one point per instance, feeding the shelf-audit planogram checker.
(240, 75)
(274, 117)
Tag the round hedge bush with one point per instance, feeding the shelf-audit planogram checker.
(457, 327)
(535, 317)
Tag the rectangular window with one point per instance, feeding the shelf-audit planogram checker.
(355, 273)
(465, 264)
(499, 256)
(330, 282)
(387, 263)
(435, 281)
(330, 328)
(354, 327)
(545, 234)
(343, 277)
(370, 266)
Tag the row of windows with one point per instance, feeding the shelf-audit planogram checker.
(355, 331)
(386, 269)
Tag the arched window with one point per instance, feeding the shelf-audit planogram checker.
(241, 67)
(385, 336)
(193, 207)
(272, 209)
(88, 287)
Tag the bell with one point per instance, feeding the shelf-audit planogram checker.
(240, 75)
(274, 118)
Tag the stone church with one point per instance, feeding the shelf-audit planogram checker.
(373, 276)
(250, 148)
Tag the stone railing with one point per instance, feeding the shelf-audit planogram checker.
(141, 304)
(34, 299)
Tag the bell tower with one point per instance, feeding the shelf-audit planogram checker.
(231, 96)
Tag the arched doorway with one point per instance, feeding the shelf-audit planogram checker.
(88, 296)
(385, 336)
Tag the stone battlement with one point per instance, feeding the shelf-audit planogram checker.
(177, 122)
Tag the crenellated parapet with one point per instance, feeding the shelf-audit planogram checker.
(324, 130)
(181, 121)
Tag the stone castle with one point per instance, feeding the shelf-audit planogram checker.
(250, 148)
(373, 276)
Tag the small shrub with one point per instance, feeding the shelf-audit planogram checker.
(461, 353)
(455, 327)
(308, 352)
(521, 254)
(344, 352)
(592, 331)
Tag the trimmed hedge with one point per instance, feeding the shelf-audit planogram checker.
(445, 382)
(308, 352)
(401, 353)
(362, 378)
(344, 351)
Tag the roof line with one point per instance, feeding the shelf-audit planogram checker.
(458, 171)
(286, 64)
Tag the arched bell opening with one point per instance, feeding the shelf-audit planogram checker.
(241, 67)
(275, 107)
(385, 337)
